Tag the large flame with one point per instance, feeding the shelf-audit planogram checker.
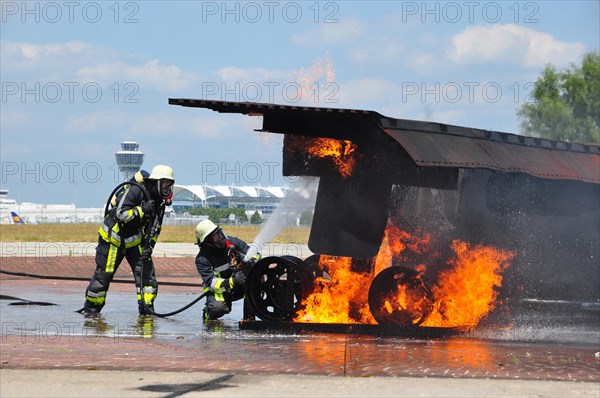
(340, 152)
(336, 300)
(464, 293)
(395, 243)
(467, 292)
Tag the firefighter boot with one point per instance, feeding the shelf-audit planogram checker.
(89, 310)
(145, 308)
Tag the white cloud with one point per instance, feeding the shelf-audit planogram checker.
(236, 74)
(347, 31)
(421, 61)
(377, 50)
(365, 92)
(300, 85)
(97, 121)
(511, 44)
(12, 119)
(88, 63)
(27, 54)
(171, 125)
(152, 74)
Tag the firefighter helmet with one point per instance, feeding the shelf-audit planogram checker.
(161, 172)
(205, 228)
(164, 175)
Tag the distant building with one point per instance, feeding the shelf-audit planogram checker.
(250, 198)
(37, 213)
(129, 159)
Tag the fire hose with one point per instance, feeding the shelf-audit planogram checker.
(73, 278)
(154, 224)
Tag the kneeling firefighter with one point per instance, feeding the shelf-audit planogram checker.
(220, 263)
(130, 230)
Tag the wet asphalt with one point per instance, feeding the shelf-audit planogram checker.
(538, 349)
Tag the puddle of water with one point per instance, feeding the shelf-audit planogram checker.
(539, 322)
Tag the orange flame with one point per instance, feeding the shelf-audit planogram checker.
(395, 242)
(467, 292)
(462, 296)
(313, 81)
(407, 305)
(341, 153)
(334, 301)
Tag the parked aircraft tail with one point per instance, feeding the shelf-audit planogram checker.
(16, 218)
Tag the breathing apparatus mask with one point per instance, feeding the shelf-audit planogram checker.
(219, 240)
(164, 177)
(165, 189)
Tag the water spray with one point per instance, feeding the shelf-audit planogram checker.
(300, 197)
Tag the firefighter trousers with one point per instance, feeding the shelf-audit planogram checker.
(108, 259)
(218, 305)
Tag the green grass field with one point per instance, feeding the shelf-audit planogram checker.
(173, 234)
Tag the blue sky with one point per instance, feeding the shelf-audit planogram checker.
(80, 77)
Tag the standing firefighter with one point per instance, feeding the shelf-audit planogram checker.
(130, 230)
(223, 271)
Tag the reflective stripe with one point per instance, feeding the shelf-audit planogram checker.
(216, 285)
(128, 215)
(116, 239)
(218, 295)
(96, 298)
(111, 258)
(133, 240)
(149, 289)
(109, 236)
(149, 295)
(222, 268)
(94, 294)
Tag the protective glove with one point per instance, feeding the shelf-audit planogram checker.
(250, 263)
(238, 279)
(148, 209)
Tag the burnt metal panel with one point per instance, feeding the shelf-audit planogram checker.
(429, 144)
(448, 150)
(257, 108)
(351, 213)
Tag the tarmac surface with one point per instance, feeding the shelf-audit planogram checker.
(51, 351)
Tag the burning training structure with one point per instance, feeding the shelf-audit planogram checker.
(426, 224)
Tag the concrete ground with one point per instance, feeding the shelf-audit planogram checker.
(82, 383)
(50, 351)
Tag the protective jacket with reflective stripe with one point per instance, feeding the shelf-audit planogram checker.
(210, 262)
(123, 223)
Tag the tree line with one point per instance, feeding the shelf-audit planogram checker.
(565, 103)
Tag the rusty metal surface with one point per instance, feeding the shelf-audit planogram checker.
(446, 150)
(439, 145)
(255, 108)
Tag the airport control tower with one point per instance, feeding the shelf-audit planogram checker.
(129, 158)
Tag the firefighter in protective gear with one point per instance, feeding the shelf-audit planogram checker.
(130, 230)
(220, 264)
